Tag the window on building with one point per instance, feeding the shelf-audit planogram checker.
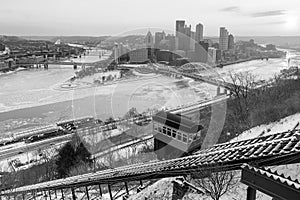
(169, 132)
(173, 133)
(184, 138)
(164, 130)
(179, 136)
(191, 138)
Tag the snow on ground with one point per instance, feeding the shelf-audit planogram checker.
(163, 186)
(285, 124)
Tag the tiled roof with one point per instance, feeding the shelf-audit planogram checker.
(281, 148)
(274, 175)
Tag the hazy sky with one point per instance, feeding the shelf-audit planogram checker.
(112, 17)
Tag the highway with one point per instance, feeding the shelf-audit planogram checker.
(23, 147)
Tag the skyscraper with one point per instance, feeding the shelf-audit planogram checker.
(223, 39)
(149, 40)
(159, 36)
(199, 33)
(179, 27)
(230, 42)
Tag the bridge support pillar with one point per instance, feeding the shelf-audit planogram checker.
(251, 193)
(110, 194)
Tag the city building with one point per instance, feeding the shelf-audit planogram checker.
(199, 32)
(212, 55)
(192, 41)
(138, 56)
(159, 36)
(230, 42)
(184, 38)
(223, 39)
(164, 56)
(172, 42)
(173, 134)
(179, 27)
(201, 51)
(149, 40)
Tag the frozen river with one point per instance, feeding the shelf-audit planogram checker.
(30, 98)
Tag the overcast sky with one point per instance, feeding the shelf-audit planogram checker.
(112, 17)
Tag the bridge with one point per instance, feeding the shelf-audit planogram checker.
(278, 149)
(47, 62)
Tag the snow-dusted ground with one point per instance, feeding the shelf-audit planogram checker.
(163, 186)
(285, 124)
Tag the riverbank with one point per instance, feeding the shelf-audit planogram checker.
(220, 65)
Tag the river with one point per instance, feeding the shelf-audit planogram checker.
(32, 97)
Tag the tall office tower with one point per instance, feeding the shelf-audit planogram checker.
(230, 42)
(172, 42)
(184, 38)
(201, 51)
(149, 40)
(193, 41)
(199, 33)
(223, 39)
(179, 27)
(159, 36)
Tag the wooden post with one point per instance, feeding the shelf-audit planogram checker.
(55, 194)
(87, 192)
(73, 194)
(62, 194)
(33, 194)
(45, 194)
(110, 194)
(141, 182)
(251, 193)
(49, 194)
(100, 191)
(126, 187)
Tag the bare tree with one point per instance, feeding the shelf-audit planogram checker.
(215, 184)
(243, 84)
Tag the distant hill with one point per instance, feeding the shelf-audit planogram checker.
(283, 41)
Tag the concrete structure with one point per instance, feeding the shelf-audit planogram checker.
(230, 42)
(138, 56)
(223, 39)
(199, 32)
